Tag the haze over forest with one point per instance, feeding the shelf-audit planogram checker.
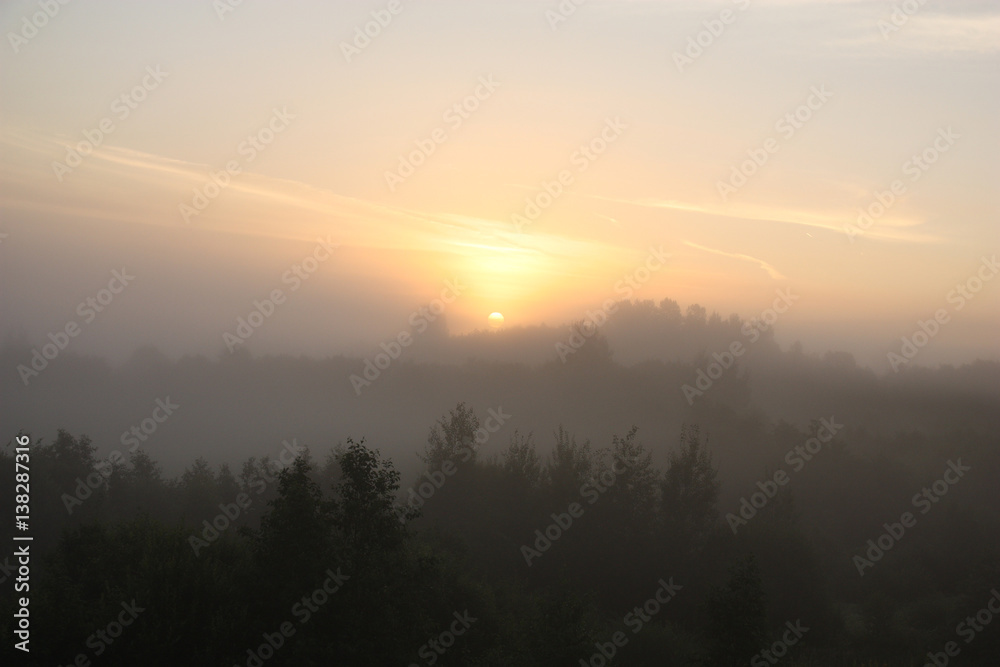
(618, 332)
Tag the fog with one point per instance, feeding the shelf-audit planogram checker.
(192, 288)
(544, 333)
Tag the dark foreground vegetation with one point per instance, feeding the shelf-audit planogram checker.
(571, 553)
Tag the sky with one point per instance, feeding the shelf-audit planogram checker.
(534, 153)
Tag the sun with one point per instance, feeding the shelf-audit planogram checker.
(496, 320)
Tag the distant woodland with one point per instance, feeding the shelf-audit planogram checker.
(802, 510)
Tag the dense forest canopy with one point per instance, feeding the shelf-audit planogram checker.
(572, 513)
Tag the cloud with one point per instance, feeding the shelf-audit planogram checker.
(130, 186)
(893, 228)
(771, 271)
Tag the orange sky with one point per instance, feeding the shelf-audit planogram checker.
(661, 138)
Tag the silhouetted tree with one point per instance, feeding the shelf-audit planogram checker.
(737, 617)
(452, 438)
(521, 462)
(689, 491)
(363, 506)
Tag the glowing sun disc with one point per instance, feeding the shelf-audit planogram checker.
(496, 320)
